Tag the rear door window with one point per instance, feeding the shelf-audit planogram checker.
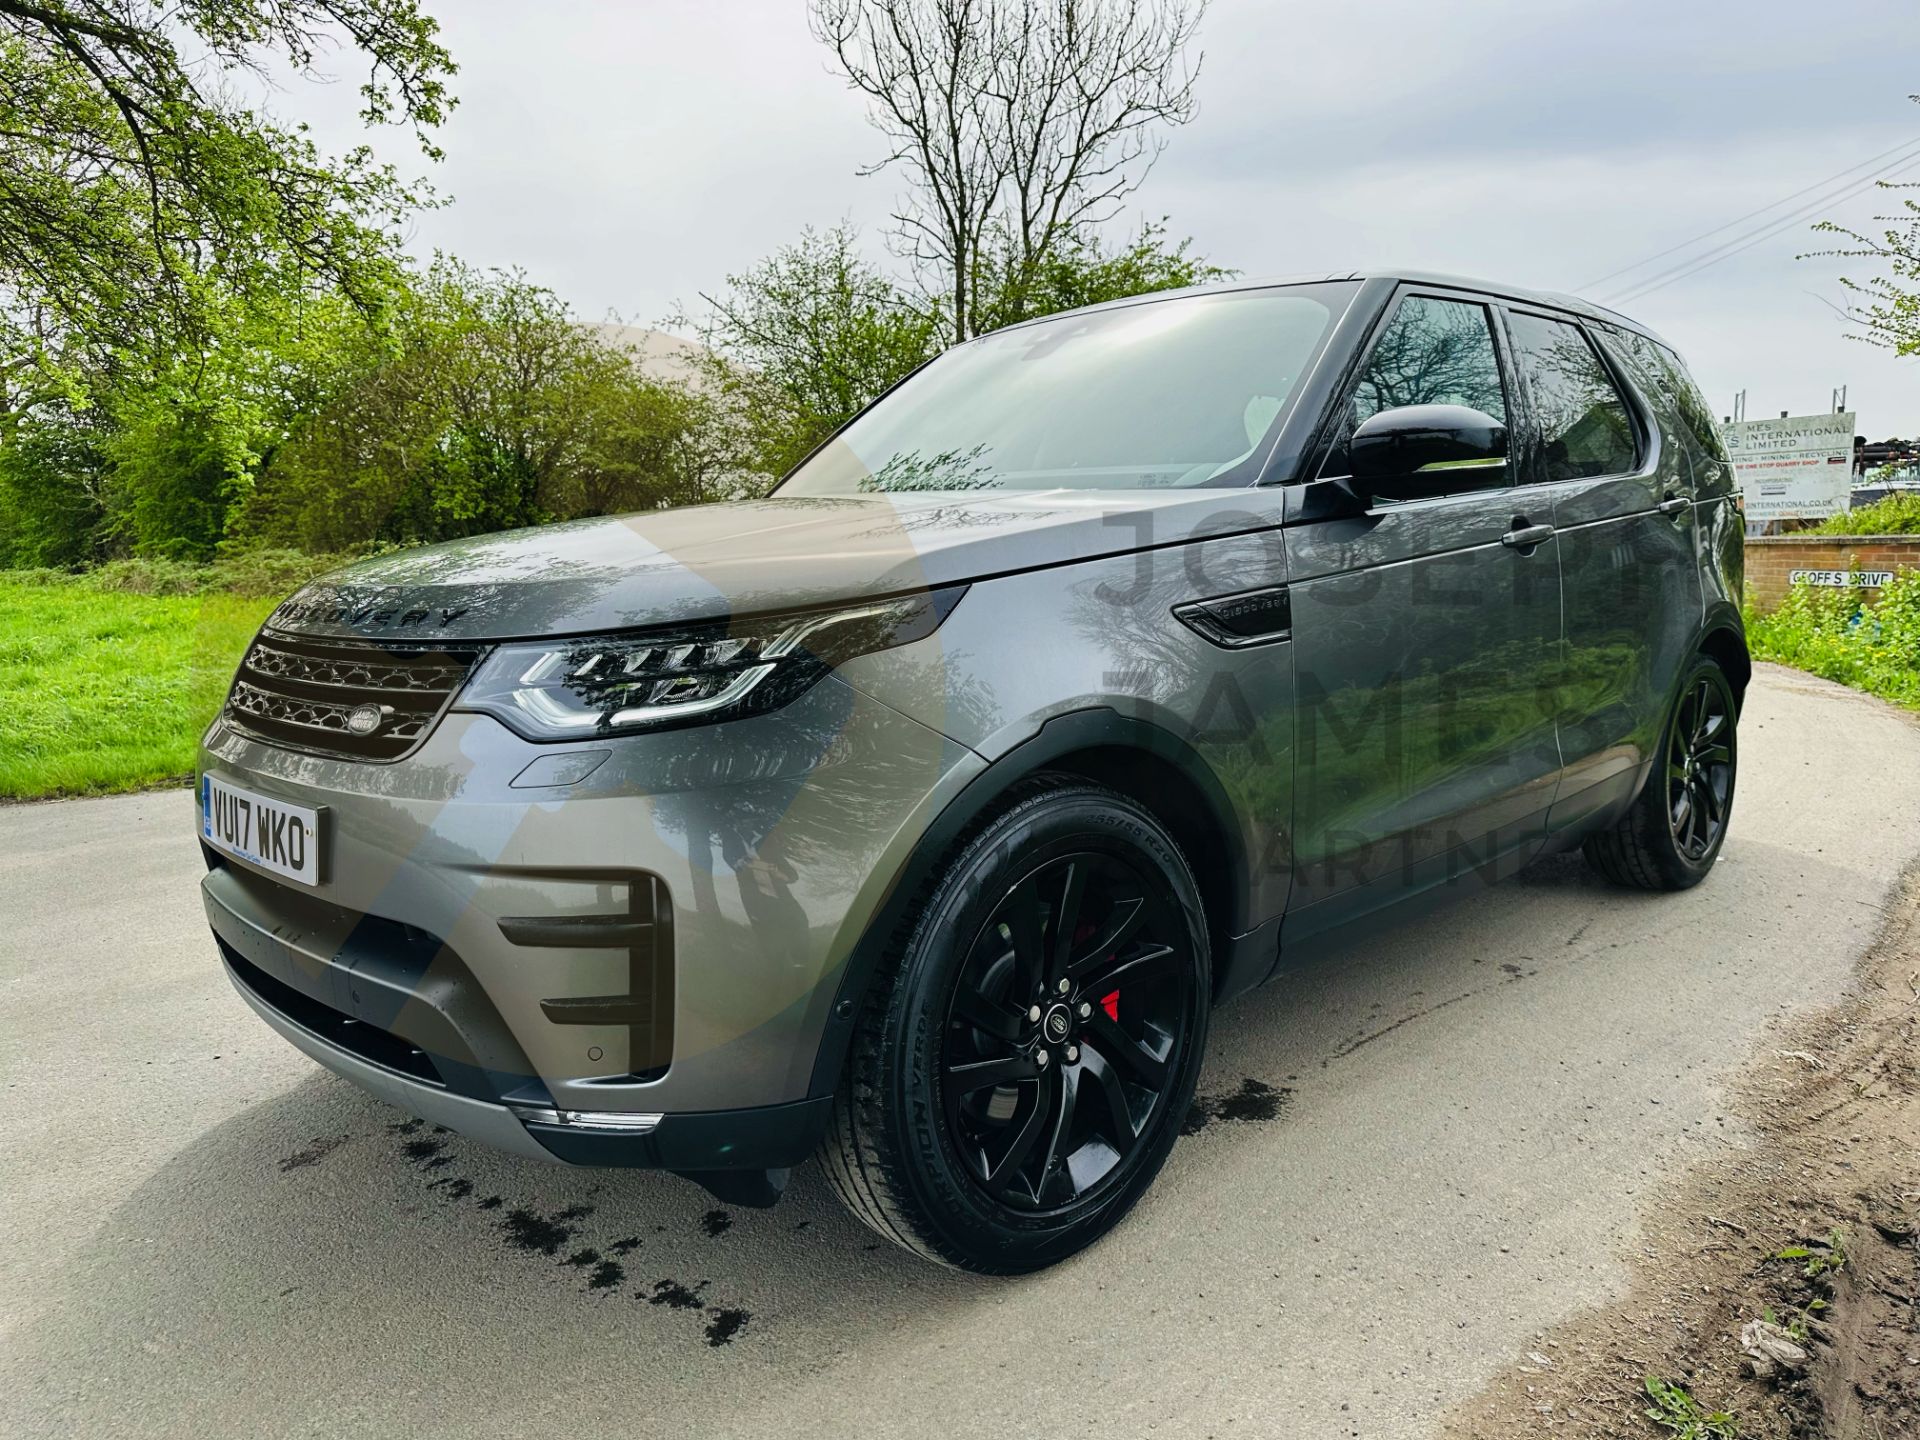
(1584, 426)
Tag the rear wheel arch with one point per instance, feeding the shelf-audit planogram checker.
(1726, 645)
(1641, 847)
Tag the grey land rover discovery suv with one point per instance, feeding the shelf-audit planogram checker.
(918, 814)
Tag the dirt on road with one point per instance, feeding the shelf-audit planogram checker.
(1811, 1232)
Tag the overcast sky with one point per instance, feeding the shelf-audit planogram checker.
(631, 153)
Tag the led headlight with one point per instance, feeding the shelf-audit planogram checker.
(689, 675)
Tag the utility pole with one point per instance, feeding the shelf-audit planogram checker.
(1840, 400)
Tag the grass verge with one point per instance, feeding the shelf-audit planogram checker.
(1833, 633)
(104, 690)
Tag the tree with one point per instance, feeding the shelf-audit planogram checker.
(52, 482)
(1019, 123)
(808, 338)
(157, 452)
(136, 191)
(1887, 307)
(486, 405)
(1082, 270)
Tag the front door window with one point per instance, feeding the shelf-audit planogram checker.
(1433, 352)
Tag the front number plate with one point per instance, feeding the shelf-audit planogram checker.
(263, 831)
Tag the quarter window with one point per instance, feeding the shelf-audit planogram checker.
(1433, 352)
(1585, 427)
(1660, 368)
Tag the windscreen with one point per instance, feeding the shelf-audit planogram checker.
(1169, 393)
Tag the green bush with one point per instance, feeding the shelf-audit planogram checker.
(263, 574)
(173, 470)
(1897, 514)
(1835, 634)
(272, 573)
(50, 488)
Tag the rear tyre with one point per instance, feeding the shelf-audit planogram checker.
(1024, 1062)
(1672, 835)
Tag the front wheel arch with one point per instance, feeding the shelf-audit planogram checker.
(1095, 744)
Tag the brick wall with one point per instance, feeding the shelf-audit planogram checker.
(1772, 558)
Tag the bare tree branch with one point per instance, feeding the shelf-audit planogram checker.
(1017, 123)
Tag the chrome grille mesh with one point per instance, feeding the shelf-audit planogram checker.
(303, 692)
(378, 669)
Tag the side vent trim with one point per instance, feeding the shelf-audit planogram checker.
(1234, 622)
(645, 932)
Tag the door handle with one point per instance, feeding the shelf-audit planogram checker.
(1675, 505)
(1525, 537)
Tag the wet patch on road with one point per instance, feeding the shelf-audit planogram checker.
(312, 1153)
(428, 1154)
(558, 1235)
(602, 1273)
(676, 1296)
(541, 1234)
(1254, 1102)
(725, 1324)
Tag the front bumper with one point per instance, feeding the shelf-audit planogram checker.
(411, 970)
(771, 1137)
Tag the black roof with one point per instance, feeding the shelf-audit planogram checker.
(1549, 299)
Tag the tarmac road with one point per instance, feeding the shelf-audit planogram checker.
(1409, 1159)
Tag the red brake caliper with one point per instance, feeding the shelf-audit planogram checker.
(1111, 1004)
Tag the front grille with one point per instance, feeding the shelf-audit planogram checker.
(302, 692)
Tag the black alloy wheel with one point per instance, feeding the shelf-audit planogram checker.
(1064, 1031)
(1029, 1047)
(1700, 767)
(1671, 835)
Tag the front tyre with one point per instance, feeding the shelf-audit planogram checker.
(1673, 834)
(1023, 1063)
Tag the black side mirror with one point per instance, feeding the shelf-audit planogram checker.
(1418, 450)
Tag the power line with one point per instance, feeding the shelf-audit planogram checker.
(1751, 214)
(1768, 227)
(1748, 239)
